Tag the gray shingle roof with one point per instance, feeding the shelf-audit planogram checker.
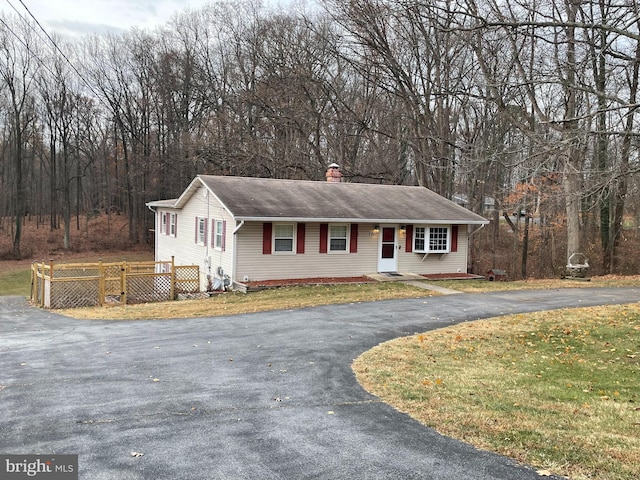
(263, 198)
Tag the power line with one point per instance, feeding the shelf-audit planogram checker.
(59, 50)
(55, 45)
(38, 59)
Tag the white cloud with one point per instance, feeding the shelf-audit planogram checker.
(79, 17)
(82, 17)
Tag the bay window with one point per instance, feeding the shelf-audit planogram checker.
(431, 239)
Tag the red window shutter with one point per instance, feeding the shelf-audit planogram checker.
(196, 238)
(224, 234)
(267, 229)
(300, 238)
(454, 238)
(206, 220)
(324, 235)
(165, 227)
(353, 240)
(175, 225)
(408, 244)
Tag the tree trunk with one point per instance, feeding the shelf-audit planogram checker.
(53, 194)
(20, 191)
(525, 247)
(572, 184)
(601, 150)
(622, 184)
(572, 206)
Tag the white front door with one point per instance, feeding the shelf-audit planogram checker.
(387, 250)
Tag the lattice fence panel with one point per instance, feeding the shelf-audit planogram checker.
(63, 271)
(79, 285)
(112, 282)
(142, 267)
(74, 293)
(148, 288)
(187, 279)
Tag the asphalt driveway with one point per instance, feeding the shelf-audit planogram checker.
(261, 396)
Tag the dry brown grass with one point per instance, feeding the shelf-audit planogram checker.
(557, 390)
(231, 303)
(481, 286)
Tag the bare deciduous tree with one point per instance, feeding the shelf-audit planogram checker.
(18, 64)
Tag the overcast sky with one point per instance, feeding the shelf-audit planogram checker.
(79, 17)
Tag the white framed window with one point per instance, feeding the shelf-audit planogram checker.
(173, 222)
(163, 227)
(201, 231)
(218, 234)
(418, 239)
(431, 239)
(439, 239)
(339, 238)
(283, 238)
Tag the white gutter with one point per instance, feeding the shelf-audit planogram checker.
(235, 230)
(476, 230)
(363, 220)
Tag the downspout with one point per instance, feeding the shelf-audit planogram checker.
(235, 252)
(468, 237)
(482, 225)
(155, 233)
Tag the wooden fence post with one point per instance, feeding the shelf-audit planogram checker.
(34, 282)
(173, 278)
(43, 285)
(51, 275)
(101, 284)
(123, 283)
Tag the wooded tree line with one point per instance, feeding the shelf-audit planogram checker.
(531, 104)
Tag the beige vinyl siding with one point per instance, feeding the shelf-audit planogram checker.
(251, 262)
(255, 266)
(184, 248)
(435, 262)
(166, 246)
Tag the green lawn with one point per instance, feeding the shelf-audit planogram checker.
(16, 283)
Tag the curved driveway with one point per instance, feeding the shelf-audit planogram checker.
(260, 396)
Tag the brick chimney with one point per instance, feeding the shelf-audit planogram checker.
(333, 173)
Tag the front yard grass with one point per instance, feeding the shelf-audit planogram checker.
(232, 303)
(481, 286)
(557, 390)
(15, 282)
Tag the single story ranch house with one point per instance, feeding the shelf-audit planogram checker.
(256, 229)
